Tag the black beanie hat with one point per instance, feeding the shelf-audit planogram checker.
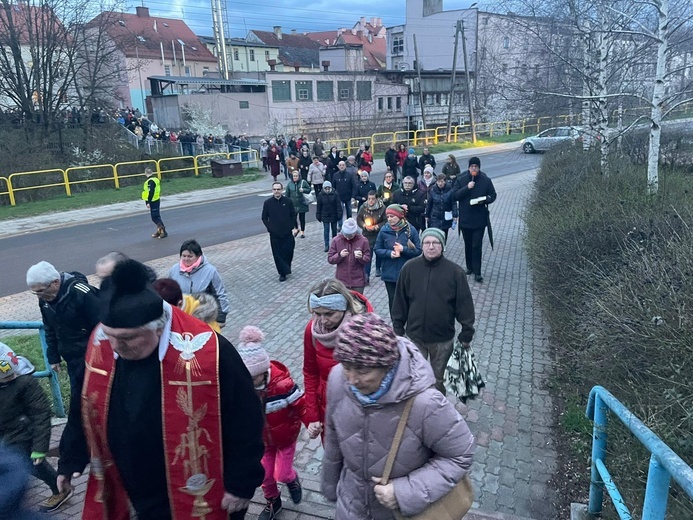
(134, 303)
(474, 160)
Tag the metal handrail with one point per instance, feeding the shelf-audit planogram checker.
(58, 408)
(664, 463)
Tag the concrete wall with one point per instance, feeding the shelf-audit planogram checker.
(225, 108)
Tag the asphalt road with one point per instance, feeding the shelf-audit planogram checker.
(76, 248)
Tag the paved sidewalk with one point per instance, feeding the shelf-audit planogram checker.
(515, 457)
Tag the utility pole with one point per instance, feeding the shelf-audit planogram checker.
(418, 73)
(220, 38)
(452, 81)
(469, 90)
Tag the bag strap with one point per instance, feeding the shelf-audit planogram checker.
(397, 440)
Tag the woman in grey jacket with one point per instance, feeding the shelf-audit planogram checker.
(366, 394)
(196, 275)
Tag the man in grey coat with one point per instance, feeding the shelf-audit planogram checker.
(432, 292)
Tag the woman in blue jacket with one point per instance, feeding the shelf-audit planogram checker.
(439, 203)
(397, 242)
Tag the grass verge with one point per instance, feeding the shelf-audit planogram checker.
(29, 346)
(169, 186)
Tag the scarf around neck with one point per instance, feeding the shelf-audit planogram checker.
(385, 384)
(189, 269)
(378, 204)
(399, 226)
(328, 339)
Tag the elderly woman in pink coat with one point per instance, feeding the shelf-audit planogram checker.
(366, 395)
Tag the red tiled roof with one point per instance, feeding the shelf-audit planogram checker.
(155, 31)
(23, 16)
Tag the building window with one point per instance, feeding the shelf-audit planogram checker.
(304, 90)
(363, 91)
(483, 53)
(484, 21)
(235, 55)
(506, 42)
(398, 44)
(346, 90)
(281, 91)
(244, 104)
(167, 70)
(380, 104)
(267, 55)
(429, 99)
(389, 104)
(252, 54)
(325, 90)
(504, 68)
(398, 104)
(188, 71)
(438, 99)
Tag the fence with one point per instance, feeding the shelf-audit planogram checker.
(58, 408)
(115, 173)
(664, 463)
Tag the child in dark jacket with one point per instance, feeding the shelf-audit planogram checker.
(284, 405)
(25, 420)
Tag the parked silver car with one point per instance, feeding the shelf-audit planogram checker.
(551, 137)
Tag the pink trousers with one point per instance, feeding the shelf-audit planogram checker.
(279, 467)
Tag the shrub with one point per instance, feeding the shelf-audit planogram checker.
(613, 269)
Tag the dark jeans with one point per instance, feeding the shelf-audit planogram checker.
(367, 267)
(264, 163)
(238, 515)
(43, 471)
(154, 212)
(283, 252)
(300, 217)
(347, 209)
(318, 189)
(390, 287)
(326, 227)
(473, 239)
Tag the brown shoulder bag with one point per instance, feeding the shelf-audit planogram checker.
(452, 506)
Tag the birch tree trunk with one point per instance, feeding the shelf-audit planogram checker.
(658, 95)
(602, 92)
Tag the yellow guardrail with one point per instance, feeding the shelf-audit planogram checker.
(8, 190)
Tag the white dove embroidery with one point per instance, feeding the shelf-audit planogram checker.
(187, 344)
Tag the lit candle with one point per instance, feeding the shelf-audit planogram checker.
(386, 195)
(368, 221)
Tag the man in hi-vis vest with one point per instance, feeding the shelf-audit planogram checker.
(151, 195)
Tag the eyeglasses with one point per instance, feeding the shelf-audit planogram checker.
(433, 243)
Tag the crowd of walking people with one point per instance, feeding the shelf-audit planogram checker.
(172, 417)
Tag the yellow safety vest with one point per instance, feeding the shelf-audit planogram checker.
(157, 189)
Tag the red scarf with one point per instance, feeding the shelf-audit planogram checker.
(191, 415)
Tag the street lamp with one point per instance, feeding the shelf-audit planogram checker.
(139, 65)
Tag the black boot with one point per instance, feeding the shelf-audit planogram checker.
(274, 505)
(162, 233)
(158, 233)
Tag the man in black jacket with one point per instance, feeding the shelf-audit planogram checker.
(391, 159)
(279, 217)
(475, 192)
(413, 201)
(344, 184)
(70, 311)
(329, 212)
(432, 292)
(426, 159)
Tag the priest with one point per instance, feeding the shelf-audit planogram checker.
(171, 422)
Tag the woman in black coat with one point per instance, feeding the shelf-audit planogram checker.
(329, 211)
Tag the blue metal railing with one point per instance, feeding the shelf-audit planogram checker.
(58, 408)
(664, 463)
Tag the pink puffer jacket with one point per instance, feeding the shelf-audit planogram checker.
(436, 450)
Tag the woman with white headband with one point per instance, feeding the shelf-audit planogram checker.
(331, 305)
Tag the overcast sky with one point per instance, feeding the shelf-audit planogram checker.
(309, 15)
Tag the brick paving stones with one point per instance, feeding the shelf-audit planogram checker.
(512, 421)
